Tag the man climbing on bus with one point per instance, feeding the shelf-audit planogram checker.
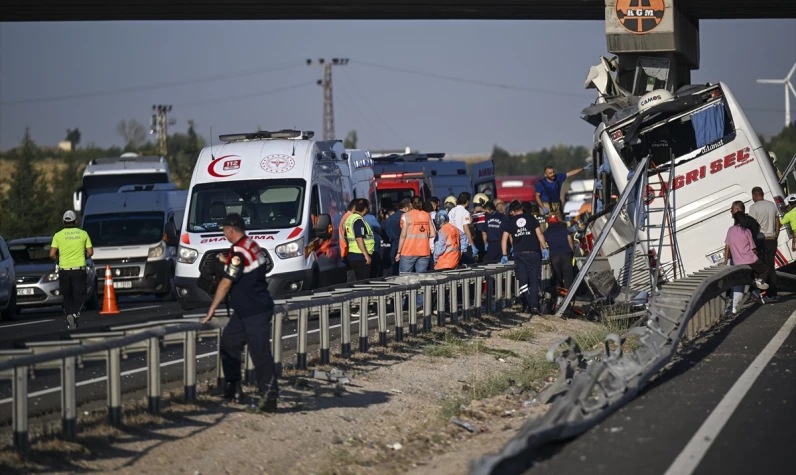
(548, 190)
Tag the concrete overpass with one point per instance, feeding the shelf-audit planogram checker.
(47, 10)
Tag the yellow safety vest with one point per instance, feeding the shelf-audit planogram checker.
(370, 241)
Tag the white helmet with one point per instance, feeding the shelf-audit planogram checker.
(791, 199)
(480, 199)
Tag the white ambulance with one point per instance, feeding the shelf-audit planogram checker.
(290, 190)
(718, 160)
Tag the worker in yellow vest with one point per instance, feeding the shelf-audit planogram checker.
(360, 240)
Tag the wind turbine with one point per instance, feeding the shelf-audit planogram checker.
(788, 85)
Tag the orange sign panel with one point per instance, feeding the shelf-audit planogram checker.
(640, 16)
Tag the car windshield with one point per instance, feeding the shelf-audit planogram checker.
(124, 229)
(263, 204)
(34, 253)
(96, 184)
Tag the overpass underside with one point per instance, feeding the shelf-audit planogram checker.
(41, 10)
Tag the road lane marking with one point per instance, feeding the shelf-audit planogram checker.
(697, 447)
(162, 365)
(27, 323)
(139, 308)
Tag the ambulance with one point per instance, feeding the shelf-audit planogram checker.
(290, 190)
(718, 159)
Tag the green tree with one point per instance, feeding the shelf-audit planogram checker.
(63, 185)
(24, 207)
(73, 137)
(783, 146)
(182, 154)
(350, 140)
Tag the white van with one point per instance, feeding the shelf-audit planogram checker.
(290, 190)
(127, 229)
(718, 160)
(108, 174)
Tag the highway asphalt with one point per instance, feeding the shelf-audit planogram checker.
(723, 407)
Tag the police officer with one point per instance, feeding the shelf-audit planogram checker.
(70, 248)
(250, 323)
(492, 233)
(530, 248)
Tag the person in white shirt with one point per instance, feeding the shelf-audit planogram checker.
(767, 215)
(460, 217)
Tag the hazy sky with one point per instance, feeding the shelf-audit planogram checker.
(234, 76)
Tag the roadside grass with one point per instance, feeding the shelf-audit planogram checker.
(447, 344)
(519, 334)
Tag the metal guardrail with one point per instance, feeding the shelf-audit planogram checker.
(450, 295)
(587, 392)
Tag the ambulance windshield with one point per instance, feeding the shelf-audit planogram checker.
(263, 204)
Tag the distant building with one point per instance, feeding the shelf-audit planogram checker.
(65, 146)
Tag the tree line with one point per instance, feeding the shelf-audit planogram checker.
(35, 195)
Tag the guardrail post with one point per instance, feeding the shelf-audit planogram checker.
(454, 301)
(383, 319)
(114, 372)
(276, 341)
(20, 400)
(219, 371)
(68, 398)
(509, 289)
(153, 375)
(399, 317)
(324, 320)
(479, 295)
(466, 312)
(363, 324)
(441, 305)
(490, 293)
(427, 305)
(248, 370)
(499, 291)
(516, 288)
(301, 350)
(189, 367)
(345, 328)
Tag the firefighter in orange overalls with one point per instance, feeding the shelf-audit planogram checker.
(447, 248)
(414, 250)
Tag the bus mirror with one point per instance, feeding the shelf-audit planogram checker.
(77, 200)
(323, 228)
(171, 234)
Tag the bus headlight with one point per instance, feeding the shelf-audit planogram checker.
(157, 251)
(186, 255)
(290, 249)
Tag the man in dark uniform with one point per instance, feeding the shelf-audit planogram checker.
(492, 233)
(250, 323)
(530, 248)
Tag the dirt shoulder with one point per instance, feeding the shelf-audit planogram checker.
(393, 417)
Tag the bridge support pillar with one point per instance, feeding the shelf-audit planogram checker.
(656, 43)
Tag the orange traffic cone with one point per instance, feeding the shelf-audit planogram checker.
(109, 302)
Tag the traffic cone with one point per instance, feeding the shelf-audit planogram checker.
(109, 302)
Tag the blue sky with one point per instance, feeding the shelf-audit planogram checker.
(236, 76)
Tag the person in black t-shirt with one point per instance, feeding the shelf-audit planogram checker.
(530, 248)
(250, 323)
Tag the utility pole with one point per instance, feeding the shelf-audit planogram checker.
(328, 97)
(159, 124)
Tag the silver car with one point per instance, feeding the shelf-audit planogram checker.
(37, 279)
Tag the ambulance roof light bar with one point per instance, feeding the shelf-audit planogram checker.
(264, 134)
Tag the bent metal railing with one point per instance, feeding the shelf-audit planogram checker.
(448, 296)
(593, 385)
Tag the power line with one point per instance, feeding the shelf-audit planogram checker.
(473, 81)
(359, 111)
(249, 95)
(378, 116)
(163, 85)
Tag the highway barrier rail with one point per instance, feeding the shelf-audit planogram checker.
(593, 385)
(450, 296)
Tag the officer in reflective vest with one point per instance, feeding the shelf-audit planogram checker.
(343, 242)
(360, 240)
(414, 250)
(447, 249)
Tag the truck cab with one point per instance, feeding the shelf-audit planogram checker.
(106, 175)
